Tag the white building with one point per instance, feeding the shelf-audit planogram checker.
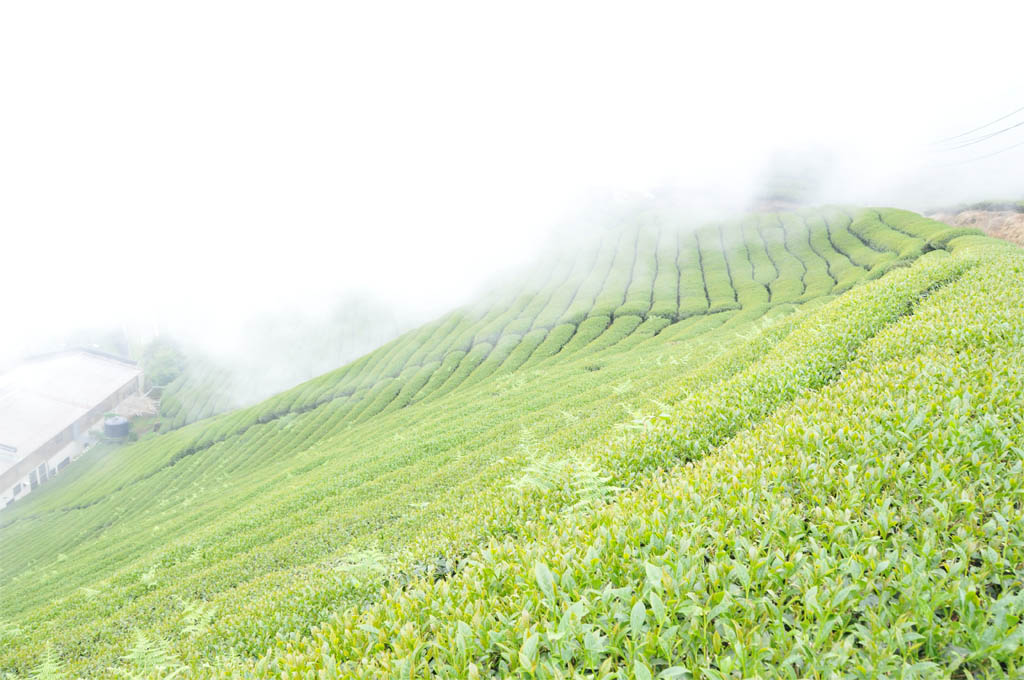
(47, 405)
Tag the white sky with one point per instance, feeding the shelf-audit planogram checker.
(197, 162)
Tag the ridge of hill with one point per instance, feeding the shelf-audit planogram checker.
(247, 532)
(271, 352)
(207, 388)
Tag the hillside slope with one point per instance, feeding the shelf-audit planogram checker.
(1004, 221)
(242, 532)
(871, 525)
(275, 351)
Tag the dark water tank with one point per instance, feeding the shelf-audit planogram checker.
(116, 427)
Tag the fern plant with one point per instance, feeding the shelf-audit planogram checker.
(48, 667)
(150, 658)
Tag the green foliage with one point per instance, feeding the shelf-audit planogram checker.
(295, 535)
(151, 659)
(616, 283)
(163, 361)
(818, 278)
(790, 285)
(935, 234)
(717, 277)
(526, 348)
(552, 343)
(693, 294)
(589, 329)
(879, 236)
(583, 299)
(857, 512)
(841, 268)
(645, 331)
(48, 667)
(850, 245)
(640, 293)
(577, 481)
(440, 376)
(750, 292)
(620, 328)
(666, 283)
(498, 355)
(412, 385)
(763, 269)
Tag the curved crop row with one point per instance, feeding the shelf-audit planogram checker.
(715, 268)
(719, 548)
(264, 514)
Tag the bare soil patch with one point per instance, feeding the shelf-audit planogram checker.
(1006, 224)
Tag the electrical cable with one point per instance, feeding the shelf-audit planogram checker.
(981, 127)
(983, 137)
(981, 158)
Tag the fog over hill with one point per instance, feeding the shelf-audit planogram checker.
(194, 167)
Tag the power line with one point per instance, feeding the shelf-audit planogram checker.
(981, 158)
(983, 137)
(980, 127)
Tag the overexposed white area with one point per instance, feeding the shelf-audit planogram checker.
(189, 164)
(42, 397)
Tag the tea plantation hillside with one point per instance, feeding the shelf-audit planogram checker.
(786, 442)
(276, 351)
(202, 390)
(849, 505)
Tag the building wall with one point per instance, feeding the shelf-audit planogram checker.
(50, 458)
(69, 453)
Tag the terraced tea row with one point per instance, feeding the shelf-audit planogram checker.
(203, 390)
(437, 358)
(230, 514)
(645, 271)
(872, 525)
(232, 533)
